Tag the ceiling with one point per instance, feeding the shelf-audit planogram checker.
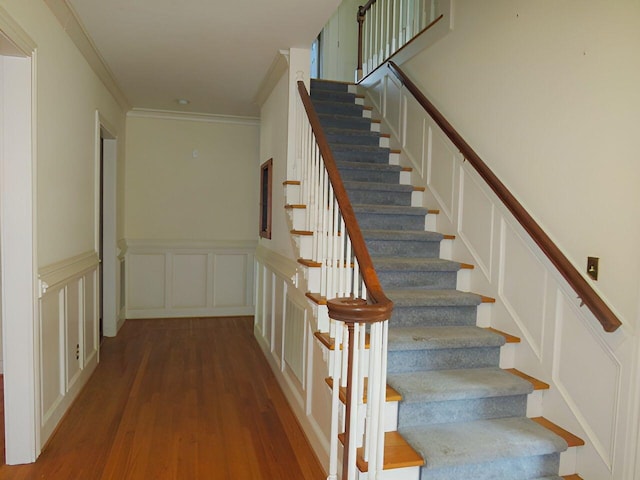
(213, 53)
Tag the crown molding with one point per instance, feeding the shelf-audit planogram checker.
(278, 67)
(71, 24)
(192, 116)
(16, 34)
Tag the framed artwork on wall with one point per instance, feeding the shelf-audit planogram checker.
(266, 173)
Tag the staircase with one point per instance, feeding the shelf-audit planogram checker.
(463, 415)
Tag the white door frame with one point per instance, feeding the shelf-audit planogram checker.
(110, 262)
(18, 259)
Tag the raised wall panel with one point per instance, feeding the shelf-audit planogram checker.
(441, 171)
(413, 134)
(295, 341)
(146, 281)
(51, 373)
(522, 286)
(90, 318)
(229, 281)
(476, 222)
(73, 332)
(594, 402)
(189, 280)
(376, 94)
(391, 112)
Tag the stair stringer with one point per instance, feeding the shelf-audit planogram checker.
(558, 310)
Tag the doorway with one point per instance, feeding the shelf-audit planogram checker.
(18, 261)
(106, 240)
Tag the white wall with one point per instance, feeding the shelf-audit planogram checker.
(546, 93)
(192, 214)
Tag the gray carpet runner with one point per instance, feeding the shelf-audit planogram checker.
(466, 416)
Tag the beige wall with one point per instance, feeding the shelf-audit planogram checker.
(68, 93)
(273, 144)
(340, 43)
(173, 196)
(546, 92)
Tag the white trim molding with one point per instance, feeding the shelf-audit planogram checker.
(192, 116)
(188, 278)
(71, 24)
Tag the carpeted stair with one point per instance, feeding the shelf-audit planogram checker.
(462, 413)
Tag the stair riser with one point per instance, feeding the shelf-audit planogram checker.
(355, 123)
(423, 280)
(505, 469)
(373, 197)
(373, 221)
(324, 85)
(339, 108)
(448, 358)
(332, 96)
(430, 413)
(344, 154)
(363, 175)
(370, 139)
(433, 316)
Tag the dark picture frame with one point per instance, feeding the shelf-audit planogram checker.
(266, 177)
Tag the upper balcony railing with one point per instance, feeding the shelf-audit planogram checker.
(385, 26)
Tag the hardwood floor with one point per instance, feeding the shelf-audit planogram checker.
(178, 399)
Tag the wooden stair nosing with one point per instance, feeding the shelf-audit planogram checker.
(392, 395)
(316, 298)
(293, 206)
(397, 453)
(291, 182)
(508, 337)
(329, 343)
(302, 233)
(537, 384)
(572, 477)
(308, 263)
(571, 439)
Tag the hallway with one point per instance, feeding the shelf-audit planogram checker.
(178, 399)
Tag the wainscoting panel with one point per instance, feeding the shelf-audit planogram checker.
(595, 386)
(391, 102)
(442, 171)
(295, 356)
(68, 332)
(182, 279)
(523, 287)
(476, 222)
(413, 135)
(52, 384)
(190, 280)
(579, 350)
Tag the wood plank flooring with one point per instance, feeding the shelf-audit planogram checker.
(178, 399)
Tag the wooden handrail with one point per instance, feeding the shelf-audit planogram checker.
(379, 307)
(586, 293)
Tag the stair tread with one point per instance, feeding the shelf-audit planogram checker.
(434, 338)
(389, 209)
(368, 166)
(398, 453)
(424, 264)
(350, 132)
(391, 394)
(402, 235)
(351, 147)
(378, 186)
(571, 439)
(537, 384)
(444, 445)
(433, 298)
(460, 384)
